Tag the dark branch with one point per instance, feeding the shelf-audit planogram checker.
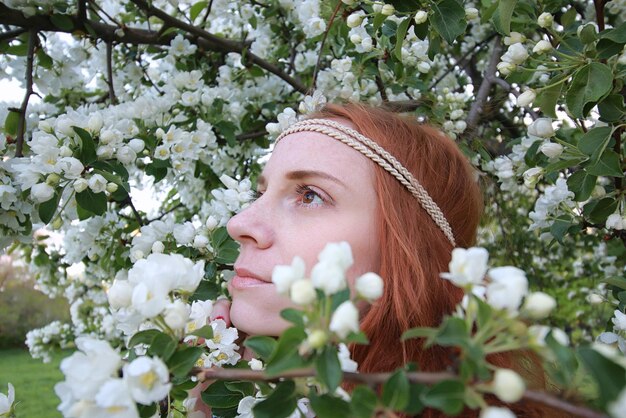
(251, 135)
(112, 98)
(381, 88)
(10, 34)
(82, 10)
(319, 57)
(220, 44)
(482, 95)
(21, 125)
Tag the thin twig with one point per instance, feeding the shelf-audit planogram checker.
(482, 95)
(112, 98)
(82, 10)
(167, 212)
(380, 378)
(599, 6)
(319, 57)
(381, 88)
(21, 125)
(208, 12)
(251, 135)
(138, 217)
(10, 34)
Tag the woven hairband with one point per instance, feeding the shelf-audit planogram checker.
(376, 153)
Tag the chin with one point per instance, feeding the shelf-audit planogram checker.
(257, 316)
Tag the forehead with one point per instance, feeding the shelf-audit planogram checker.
(318, 152)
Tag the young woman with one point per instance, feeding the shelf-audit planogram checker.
(326, 182)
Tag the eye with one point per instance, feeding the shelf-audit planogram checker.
(308, 197)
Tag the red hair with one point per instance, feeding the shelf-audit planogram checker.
(413, 250)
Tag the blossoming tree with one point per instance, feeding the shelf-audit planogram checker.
(180, 100)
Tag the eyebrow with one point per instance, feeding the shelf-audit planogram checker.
(304, 174)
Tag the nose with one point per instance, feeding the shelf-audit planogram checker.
(252, 226)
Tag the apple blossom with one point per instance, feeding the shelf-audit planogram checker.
(507, 288)
(115, 401)
(508, 385)
(41, 192)
(302, 292)
(256, 364)
(526, 98)
(6, 401)
(120, 294)
(541, 127)
(337, 253)
(467, 266)
(513, 38)
(355, 19)
(538, 305)
(329, 277)
(471, 13)
(516, 54)
(619, 320)
(420, 17)
(388, 9)
(283, 276)
(551, 149)
(532, 176)
(316, 339)
(97, 183)
(369, 286)
(496, 412)
(542, 47)
(345, 319)
(147, 379)
(176, 315)
(545, 20)
(615, 221)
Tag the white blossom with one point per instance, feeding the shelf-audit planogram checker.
(284, 276)
(120, 294)
(542, 47)
(538, 305)
(302, 292)
(41, 192)
(619, 320)
(541, 127)
(496, 412)
(507, 288)
(545, 20)
(176, 315)
(6, 401)
(147, 379)
(551, 149)
(526, 98)
(97, 183)
(369, 286)
(467, 266)
(345, 319)
(508, 385)
(420, 17)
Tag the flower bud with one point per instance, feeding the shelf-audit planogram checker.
(541, 127)
(356, 39)
(97, 183)
(349, 2)
(538, 305)
(377, 6)
(126, 155)
(388, 9)
(53, 179)
(120, 294)
(136, 145)
(211, 223)
(317, 338)
(176, 315)
(615, 222)
(598, 191)
(95, 123)
(545, 20)
(369, 286)
(41, 192)
(551, 149)
(65, 151)
(542, 46)
(532, 176)
(420, 17)
(200, 241)
(508, 385)
(423, 67)
(513, 38)
(471, 13)
(80, 185)
(111, 187)
(496, 412)
(158, 247)
(506, 68)
(255, 364)
(354, 20)
(302, 292)
(526, 98)
(345, 320)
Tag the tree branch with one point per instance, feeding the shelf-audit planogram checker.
(10, 34)
(473, 116)
(380, 378)
(251, 135)
(112, 98)
(319, 57)
(221, 44)
(21, 125)
(82, 10)
(381, 88)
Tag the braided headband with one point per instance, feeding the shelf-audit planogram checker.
(376, 153)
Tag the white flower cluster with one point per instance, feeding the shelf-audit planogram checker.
(501, 287)
(549, 203)
(514, 56)
(93, 388)
(618, 335)
(41, 341)
(328, 276)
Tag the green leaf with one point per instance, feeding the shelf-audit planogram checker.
(400, 34)
(396, 391)
(563, 163)
(327, 406)
(363, 402)
(547, 99)
(328, 368)
(611, 108)
(419, 332)
(565, 358)
(617, 34)
(446, 396)
(87, 153)
(279, 404)
(146, 411)
(197, 8)
(205, 332)
(598, 211)
(568, 17)
(453, 332)
(559, 227)
(48, 208)
(163, 346)
(44, 59)
(605, 48)
(95, 203)
(502, 16)
(485, 312)
(587, 34)
(263, 346)
(609, 376)
(588, 86)
(595, 140)
(143, 337)
(607, 165)
(63, 22)
(182, 361)
(294, 316)
(415, 405)
(285, 356)
(616, 281)
(448, 19)
(218, 395)
(11, 123)
(379, 19)
(582, 184)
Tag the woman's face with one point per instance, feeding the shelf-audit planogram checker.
(313, 190)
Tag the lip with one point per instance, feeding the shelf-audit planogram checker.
(245, 279)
